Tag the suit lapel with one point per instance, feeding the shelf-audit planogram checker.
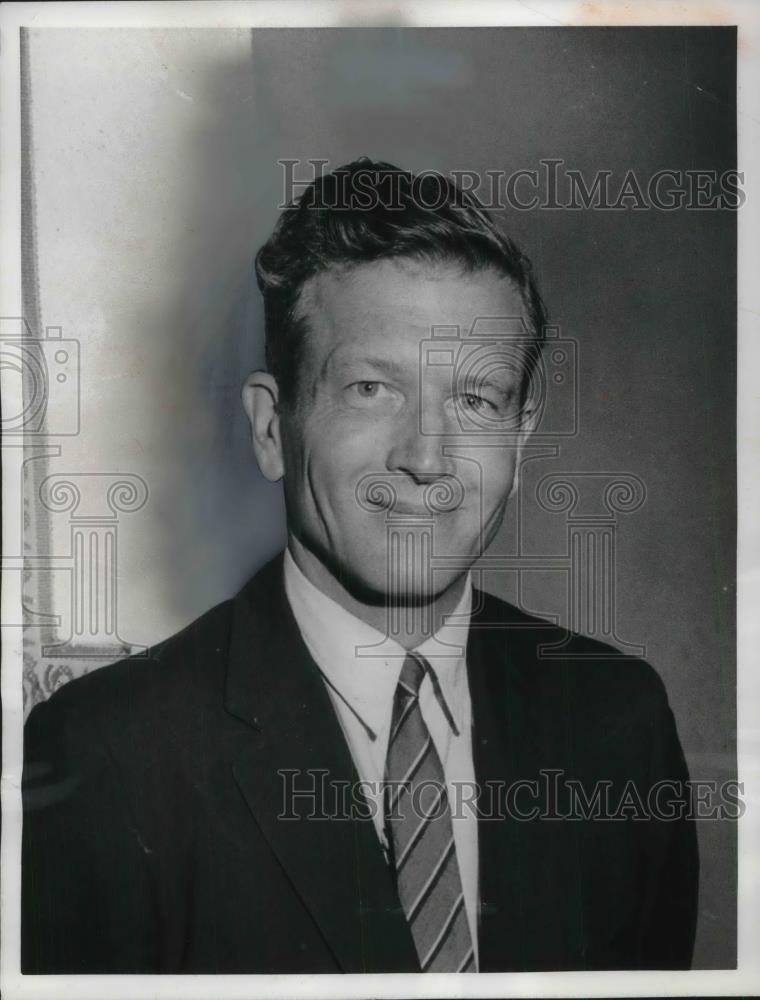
(335, 865)
(530, 913)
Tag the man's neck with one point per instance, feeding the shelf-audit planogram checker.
(417, 620)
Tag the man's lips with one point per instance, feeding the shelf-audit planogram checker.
(411, 510)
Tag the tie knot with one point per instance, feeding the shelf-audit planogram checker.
(414, 669)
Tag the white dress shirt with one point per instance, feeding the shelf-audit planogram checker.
(361, 668)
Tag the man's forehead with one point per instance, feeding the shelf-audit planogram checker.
(414, 296)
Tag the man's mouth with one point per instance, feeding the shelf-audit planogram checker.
(411, 510)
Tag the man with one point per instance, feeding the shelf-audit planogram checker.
(361, 762)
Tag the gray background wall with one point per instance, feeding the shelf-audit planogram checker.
(153, 157)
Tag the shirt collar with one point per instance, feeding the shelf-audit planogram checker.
(362, 665)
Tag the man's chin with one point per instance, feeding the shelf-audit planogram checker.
(368, 578)
(410, 591)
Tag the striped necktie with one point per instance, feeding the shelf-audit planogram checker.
(421, 835)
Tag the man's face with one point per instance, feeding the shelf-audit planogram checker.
(376, 442)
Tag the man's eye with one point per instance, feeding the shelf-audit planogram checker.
(367, 389)
(477, 403)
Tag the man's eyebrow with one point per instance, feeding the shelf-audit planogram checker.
(385, 366)
(506, 387)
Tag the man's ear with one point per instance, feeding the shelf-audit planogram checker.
(260, 402)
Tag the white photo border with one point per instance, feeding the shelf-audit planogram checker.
(745, 980)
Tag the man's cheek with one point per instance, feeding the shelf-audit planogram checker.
(496, 476)
(332, 477)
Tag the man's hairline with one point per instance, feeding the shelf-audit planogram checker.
(453, 263)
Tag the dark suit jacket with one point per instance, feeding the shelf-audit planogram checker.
(151, 798)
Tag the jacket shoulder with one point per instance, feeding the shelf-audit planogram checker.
(548, 650)
(175, 669)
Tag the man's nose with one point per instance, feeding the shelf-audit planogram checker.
(419, 455)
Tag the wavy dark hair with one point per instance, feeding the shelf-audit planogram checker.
(369, 211)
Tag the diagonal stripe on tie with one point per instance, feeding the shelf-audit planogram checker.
(468, 962)
(453, 942)
(424, 825)
(425, 891)
(438, 941)
(404, 784)
(436, 904)
(402, 719)
(409, 691)
(420, 827)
